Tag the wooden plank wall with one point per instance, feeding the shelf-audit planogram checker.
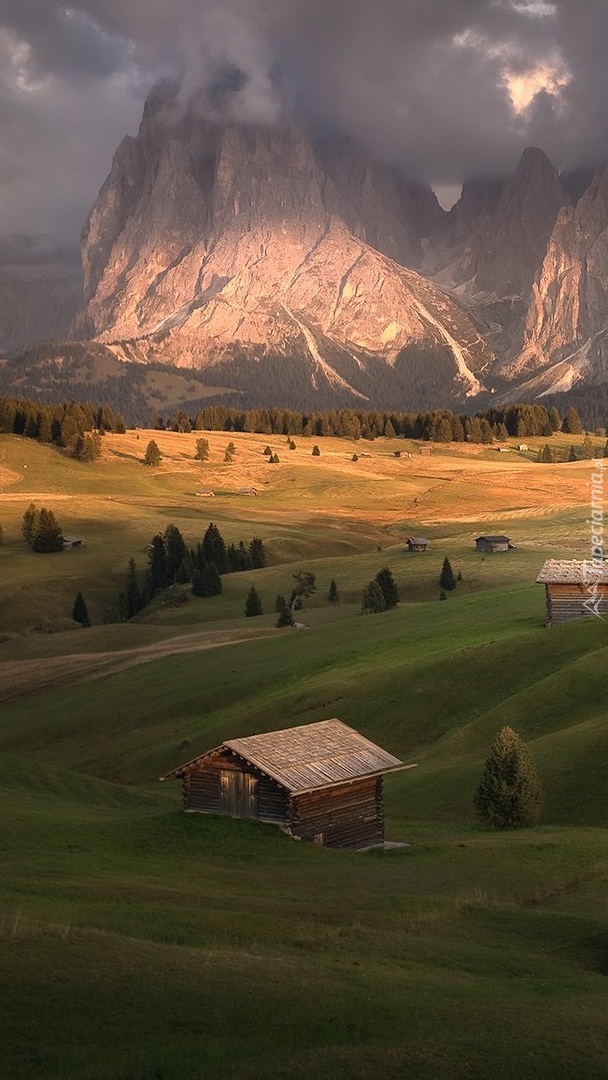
(348, 815)
(565, 602)
(202, 788)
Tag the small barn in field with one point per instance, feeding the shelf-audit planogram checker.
(417, 543)
(574, 589)
(490, 544)
(320, 782)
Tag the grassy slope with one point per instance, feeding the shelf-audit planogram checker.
(211, 947)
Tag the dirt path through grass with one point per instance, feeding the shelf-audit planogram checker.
(18, 678)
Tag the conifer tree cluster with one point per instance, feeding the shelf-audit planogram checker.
(41, 530)
(381, 594)
(60, 424)
(172, 562)
(438, 425)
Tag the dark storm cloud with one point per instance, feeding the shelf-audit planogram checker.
(427, 84)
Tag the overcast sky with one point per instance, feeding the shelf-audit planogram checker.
(444, 88)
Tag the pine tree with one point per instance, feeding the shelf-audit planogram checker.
(230, 452)
(587, 448)
(443, 433)
(214, 548)
(447, 580)
(175, 552)
(46, 533)
(27, 524)
(257, 554)
(373, 601)
(390, 592)
(134, 600)
(202, 450)
(355, 457)
(572, 422)
(207, 582)
(268, 452)
(442, 595)
(157, 565)
(253, 604)
(509, 794)
(152, 455)
(284, 612)
(333, 595)
(80, 611)
(87, 447)
(315, 451)
(554, 419)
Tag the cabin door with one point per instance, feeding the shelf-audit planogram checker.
(238, 794)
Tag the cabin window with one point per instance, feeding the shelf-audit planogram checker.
(238, 794)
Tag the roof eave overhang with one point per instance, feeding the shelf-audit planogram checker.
(352, 779)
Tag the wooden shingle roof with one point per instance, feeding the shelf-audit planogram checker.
(494, 539)
(308, 757)
(573, 572)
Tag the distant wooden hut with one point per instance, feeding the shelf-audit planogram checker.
(417, 543)
(523, 447)
(319, 782)
(70, 542)
(426, 450)
(490, 544)
(574, 589)
(247, 491)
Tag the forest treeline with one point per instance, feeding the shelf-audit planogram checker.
(439, 425)
(61, 424)
(64, 424)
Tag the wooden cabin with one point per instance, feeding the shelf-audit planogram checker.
(490, 544)
(71, 542)
(426, 450)
(417, 543)
(574, 589)
(320, 782)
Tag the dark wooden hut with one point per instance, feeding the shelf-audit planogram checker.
(574, 589)
(319, 782)
(417, 543)
(490, 544)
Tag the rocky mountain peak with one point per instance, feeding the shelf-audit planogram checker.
(216, 243)
(507, 246)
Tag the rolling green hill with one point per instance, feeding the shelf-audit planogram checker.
(138, 942)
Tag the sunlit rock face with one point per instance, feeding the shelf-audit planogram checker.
(212, 243)
(566, 332)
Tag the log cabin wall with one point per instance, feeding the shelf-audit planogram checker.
(566, 602)
(207, 789)
(345, 816)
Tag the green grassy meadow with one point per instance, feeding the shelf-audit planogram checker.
(139, 943)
